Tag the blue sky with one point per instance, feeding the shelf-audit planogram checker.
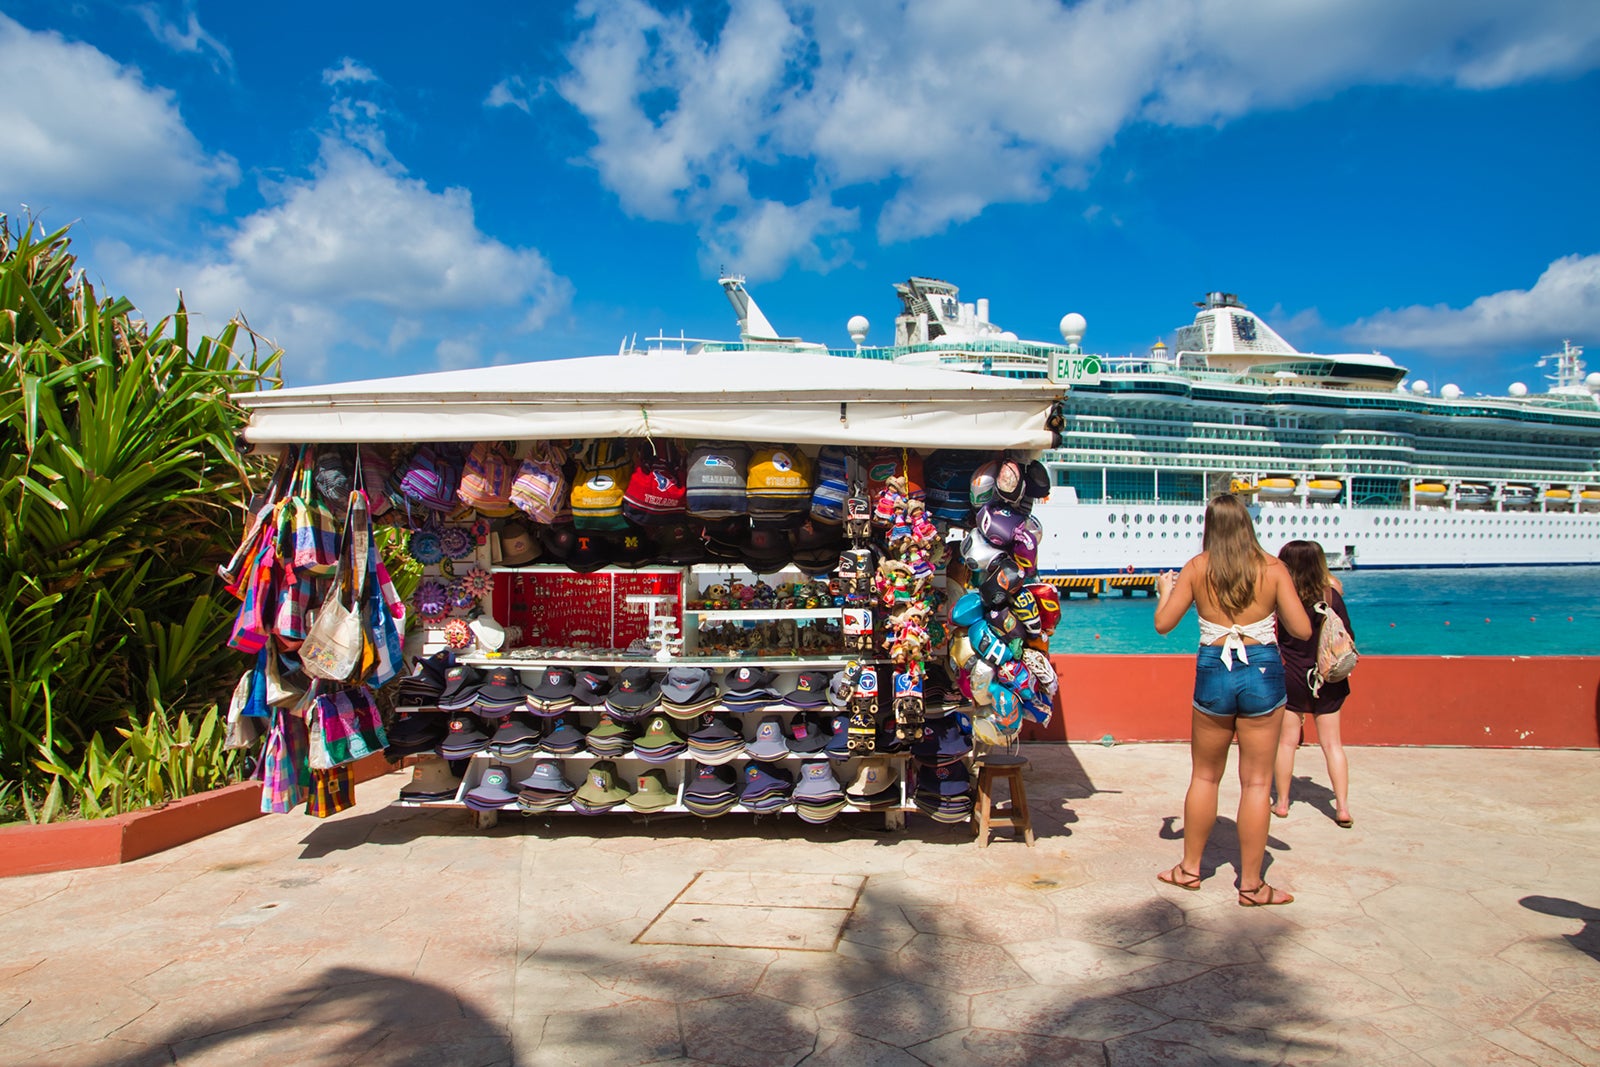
(396, 187)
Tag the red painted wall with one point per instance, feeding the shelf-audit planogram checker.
(1478, 701)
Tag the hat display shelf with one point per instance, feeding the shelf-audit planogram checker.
(879, 621)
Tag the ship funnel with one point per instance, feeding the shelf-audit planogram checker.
(753, 325)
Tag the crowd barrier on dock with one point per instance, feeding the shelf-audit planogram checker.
(1470, 701)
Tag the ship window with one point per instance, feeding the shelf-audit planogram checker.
(1138, 518)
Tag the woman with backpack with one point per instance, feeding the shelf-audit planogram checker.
(1308, 566)
(1238, 590)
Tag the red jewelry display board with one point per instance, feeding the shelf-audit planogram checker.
(584, 610)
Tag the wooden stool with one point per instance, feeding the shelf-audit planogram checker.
(1001, 765)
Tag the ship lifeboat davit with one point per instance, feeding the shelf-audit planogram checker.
(1473, 493)
(1275, 488)
(1324, 489)
(1516, 496)
(1429, 492)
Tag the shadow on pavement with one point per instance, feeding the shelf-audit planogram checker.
(1586, 940)
(343, 1015)
(1222, 849)
(952, 984)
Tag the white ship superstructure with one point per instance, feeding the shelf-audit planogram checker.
(1330, 448)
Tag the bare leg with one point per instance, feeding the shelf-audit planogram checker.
(1209, 739)
(1283, 771)
(1338, 769)
(1258, 745)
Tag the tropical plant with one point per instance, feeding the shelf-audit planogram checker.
(121, 490)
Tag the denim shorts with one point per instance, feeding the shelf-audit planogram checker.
(1251, 689)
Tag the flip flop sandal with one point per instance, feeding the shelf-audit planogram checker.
(1274, 897)
(1167, 877)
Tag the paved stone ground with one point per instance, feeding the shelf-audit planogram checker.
(1457, 923)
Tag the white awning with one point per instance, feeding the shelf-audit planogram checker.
(796, 398)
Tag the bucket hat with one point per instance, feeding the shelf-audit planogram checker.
(678, 544)
(810, 690)
(686, 686)
(764, 787)
(610, 738)
(461, 684)
(632, 548)
(807, 735)
(838, 746)
(659, 743)
(944, 780)
(749, 685)
(769, 742)
(651, 792)
(712, 791)
(875, 785)
(518, 547)
(554, 684)
(817, 783)
(942, 740)
(546, 777)
(634, 691)
(412, 734)
(464, 739)
(515, 738)
(502, 686)
(590, 686)
(600, 791)
(431, 782)
(766, 550)
(562, 738)
(493, 790)
(591, 550)
(714, 741)
(558, 541)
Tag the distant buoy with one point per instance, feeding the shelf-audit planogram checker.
(1391, 626)
(1569, 618)
(1533, 618)
(1447, 622)
(1485, 620)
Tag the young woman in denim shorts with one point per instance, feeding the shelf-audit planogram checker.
(1238, 589)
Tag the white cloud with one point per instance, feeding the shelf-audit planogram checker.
(92, 134)
(348, 71)
(949, 106)
(357, 255)
(512, 92)
(1564, 302)
(191, 39)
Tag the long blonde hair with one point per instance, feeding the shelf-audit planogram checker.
(1234, 556)
(1308, 566)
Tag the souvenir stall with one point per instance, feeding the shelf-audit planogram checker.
(700, 583)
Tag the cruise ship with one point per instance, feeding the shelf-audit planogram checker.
(1337, 449)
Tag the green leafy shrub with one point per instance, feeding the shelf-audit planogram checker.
(121, 490)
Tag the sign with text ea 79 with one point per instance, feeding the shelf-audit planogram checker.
(1074, 368)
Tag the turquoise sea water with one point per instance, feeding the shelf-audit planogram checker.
(1487, 611)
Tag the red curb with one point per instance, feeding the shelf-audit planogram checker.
(83, 843)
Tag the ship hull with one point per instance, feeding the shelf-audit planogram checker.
(1108, 538)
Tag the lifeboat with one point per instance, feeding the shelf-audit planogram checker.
(1474, 493)
(1324, 489)
(1589, 498)
(1516, 496)
(1241, 485)
(1557, 495)
(1429, 492)
(1276, 488)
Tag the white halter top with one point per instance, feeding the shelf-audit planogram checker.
(1262, 631)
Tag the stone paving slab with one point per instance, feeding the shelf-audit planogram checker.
(1458, 922)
